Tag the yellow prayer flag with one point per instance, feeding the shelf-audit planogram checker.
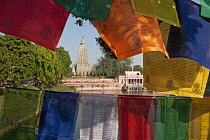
(179, 76)
(127, 33)
(164, 10)
(199, 126)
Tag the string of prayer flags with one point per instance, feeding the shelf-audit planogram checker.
(127, 33)
(178, 76)
(58, 115)
(41, 22)
(136, 117)
(19, 106)
(172, 118)
(164, 10)
(191, 40)
(205, 8)
(99, 115)
(199, 127)
(97, 10)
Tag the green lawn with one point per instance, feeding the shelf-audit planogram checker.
(58, 87)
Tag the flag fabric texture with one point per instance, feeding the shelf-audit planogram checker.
(207, 90)
(40, 21)
(88, 9)
(102, 116)
(1, 106)
(58, 115)
(136, 117)
(127, 33)
(199, 127)
(205, 8)
(196, 1)
(172, 118)
(99, 115)
(19, 113)
(179, 76)
(164, 10)
(191, 40)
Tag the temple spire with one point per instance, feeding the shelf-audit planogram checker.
(83, 65)
(82, 41)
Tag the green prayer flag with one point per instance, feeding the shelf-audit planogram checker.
(19, 114)
(164, 10)
(97, 10)
(172, 118)
(205, 8)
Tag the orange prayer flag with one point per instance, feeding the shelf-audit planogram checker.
(127, 33)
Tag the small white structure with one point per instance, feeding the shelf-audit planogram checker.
(131, 78)
(73, 70)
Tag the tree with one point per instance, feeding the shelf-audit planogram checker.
(65, 61)
(111, 68)
(22, 60)
(138, 68)
(105, 50)
(48, 69)
(108, 65)
(16, 59)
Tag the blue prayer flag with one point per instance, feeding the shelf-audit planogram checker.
(58, 116)
(196, 1)
(192, 39)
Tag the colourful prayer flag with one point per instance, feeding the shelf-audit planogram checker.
(172, 118)
(99, 116)
(19, 112)
(40, 21)
(1, 106)
(136, 117)
(97, 10)
(179, 76)
(196, 1)
(199, 127)
(192, 39)
(164, 10)
(58, 115)
(207, 90)
(127, 33)
(205, 8)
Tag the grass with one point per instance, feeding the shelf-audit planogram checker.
(58, 87)
(61, 88)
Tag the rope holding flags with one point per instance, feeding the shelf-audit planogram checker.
(106, 116)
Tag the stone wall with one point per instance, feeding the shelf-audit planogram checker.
(92, 83)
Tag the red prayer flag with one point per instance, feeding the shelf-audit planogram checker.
(136, 117)
(40, 21)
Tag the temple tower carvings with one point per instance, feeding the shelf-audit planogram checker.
(83, 65)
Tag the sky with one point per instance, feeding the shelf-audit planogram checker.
(71, 38)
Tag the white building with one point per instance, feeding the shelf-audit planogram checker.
(131, 78)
